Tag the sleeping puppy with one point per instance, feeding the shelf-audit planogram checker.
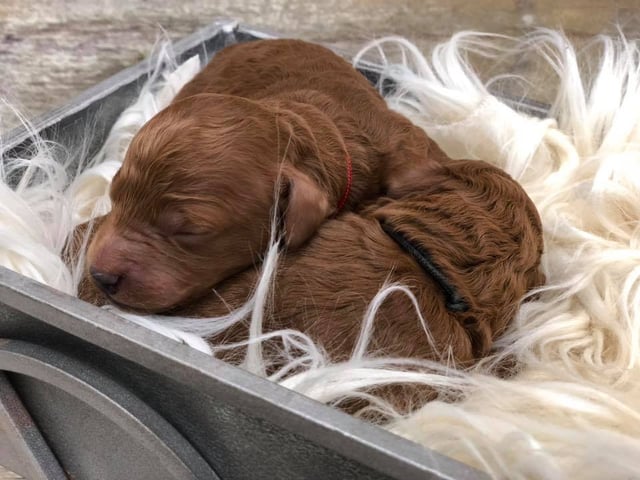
(464, 237)
(268, 120)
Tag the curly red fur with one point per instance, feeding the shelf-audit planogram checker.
(477, 223)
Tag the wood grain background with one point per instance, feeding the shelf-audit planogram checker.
(50, 50)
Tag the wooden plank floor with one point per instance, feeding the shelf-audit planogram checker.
(6, 474)
(50, 50)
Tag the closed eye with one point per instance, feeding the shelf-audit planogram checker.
(177, 226)
(174, 224)
(192, 238)
(190, 232)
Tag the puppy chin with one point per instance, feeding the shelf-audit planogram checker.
(143, 308)
(155, 303)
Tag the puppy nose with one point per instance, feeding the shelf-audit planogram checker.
(108, 282)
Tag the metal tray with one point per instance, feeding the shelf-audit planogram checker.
(85, 394)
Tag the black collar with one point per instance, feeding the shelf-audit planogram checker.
(453, 299)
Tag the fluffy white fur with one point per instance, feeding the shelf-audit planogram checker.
(34, 214)
(571, 409)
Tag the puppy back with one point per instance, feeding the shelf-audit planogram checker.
(482, 232)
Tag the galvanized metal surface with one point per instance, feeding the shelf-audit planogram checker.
(241, 425)
(244, 426)
(96, 428)
(24, 449)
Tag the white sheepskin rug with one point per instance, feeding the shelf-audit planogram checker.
(571, 409)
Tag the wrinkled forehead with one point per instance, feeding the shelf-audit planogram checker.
(142, 195)
(170, 164)
(156, 186)
(196, 172)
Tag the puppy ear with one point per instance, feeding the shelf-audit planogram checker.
(422, 163)
(419, 179)
(305, 207)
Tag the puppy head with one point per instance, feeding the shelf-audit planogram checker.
(475, 212)
(482, 232)
(193, 202)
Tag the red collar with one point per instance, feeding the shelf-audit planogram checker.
(347, 190)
